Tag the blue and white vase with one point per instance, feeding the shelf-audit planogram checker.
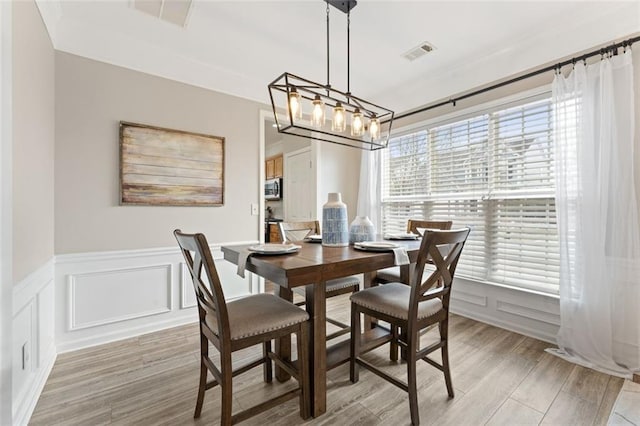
(335, 228)
(361, 229)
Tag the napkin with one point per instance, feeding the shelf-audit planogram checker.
(243, 256)
(401, 256)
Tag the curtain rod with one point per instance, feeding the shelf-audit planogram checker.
(602, 51)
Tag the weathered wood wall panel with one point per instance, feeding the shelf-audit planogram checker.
(170, 167)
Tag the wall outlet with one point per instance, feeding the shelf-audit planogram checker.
(254, 209)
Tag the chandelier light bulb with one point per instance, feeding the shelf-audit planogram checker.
(317, 113)
(339, 122)
(357, 123)
(295, 107)
(374, 128)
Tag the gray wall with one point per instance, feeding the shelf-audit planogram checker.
(339, 172)
(33, 141)
(91, 98)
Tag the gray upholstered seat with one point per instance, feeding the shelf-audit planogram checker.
(393, 299)
(391, 274)
(259, 314)
(335, 285)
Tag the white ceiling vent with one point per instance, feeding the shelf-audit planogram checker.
(418, 51)
(172, 11)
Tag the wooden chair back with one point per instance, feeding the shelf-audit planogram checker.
(211, 303)
(442, 249)
(298, 231)
(414, 224)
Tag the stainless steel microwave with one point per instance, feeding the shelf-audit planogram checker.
(273, 189)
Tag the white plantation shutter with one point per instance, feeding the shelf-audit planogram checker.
(492, 172)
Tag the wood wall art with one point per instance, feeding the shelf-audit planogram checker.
(164, 167)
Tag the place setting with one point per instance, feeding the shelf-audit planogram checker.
(399, 252)
(267, 249)
(402, 236)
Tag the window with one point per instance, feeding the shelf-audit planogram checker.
(492, 171)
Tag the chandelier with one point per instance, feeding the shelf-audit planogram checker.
(319, 111)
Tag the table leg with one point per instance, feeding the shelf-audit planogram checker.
(283, 344)
(405, 277)
(316, 307)
(369, 280)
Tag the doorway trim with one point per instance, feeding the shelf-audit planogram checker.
(6, 212)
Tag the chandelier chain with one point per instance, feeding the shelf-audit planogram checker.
(328, 80)
(348, 52)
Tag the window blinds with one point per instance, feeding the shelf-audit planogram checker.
(493, 172)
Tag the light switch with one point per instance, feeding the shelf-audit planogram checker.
(254, 209)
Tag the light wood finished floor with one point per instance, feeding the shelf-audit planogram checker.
(499, 378)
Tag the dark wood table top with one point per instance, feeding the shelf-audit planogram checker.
(316, 263)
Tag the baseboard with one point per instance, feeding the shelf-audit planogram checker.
(124, 333)
(31, 397)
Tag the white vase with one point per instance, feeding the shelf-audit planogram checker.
(361, 229)
(335, 228)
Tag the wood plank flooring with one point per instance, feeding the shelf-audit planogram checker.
(500, 378)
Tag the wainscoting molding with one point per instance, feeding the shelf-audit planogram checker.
(33, 347)
(106, 296)
(87, 291)
(529, 313)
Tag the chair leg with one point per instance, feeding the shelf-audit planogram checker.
(303, 365)
(202, 387)
(412, 379)
(403, 351)
(354, 370)
(226, 388)
(267, 368)
(444, 331)
(393, 347)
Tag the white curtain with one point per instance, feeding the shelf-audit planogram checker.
(369, 189)
(598, 216)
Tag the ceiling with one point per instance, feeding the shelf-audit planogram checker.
(238, 47)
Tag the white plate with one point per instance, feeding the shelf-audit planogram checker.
(274, 248)
(314, 238)
(402, 236)
(375, 246)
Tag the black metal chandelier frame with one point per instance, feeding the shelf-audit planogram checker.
(310, 91)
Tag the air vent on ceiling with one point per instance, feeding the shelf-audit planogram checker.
(418, 51)
(173, 11)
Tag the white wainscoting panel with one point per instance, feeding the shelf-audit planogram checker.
(130, 293)
(529, 313)
(33, 350)
(106, 296)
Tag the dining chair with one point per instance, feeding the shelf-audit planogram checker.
(236, 325)
(415, 226)
(298, 231)
(413, 308)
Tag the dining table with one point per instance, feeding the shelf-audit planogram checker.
(311, 266)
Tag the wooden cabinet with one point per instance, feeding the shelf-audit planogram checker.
(277, 165)
(273, 167)
(274, 233)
